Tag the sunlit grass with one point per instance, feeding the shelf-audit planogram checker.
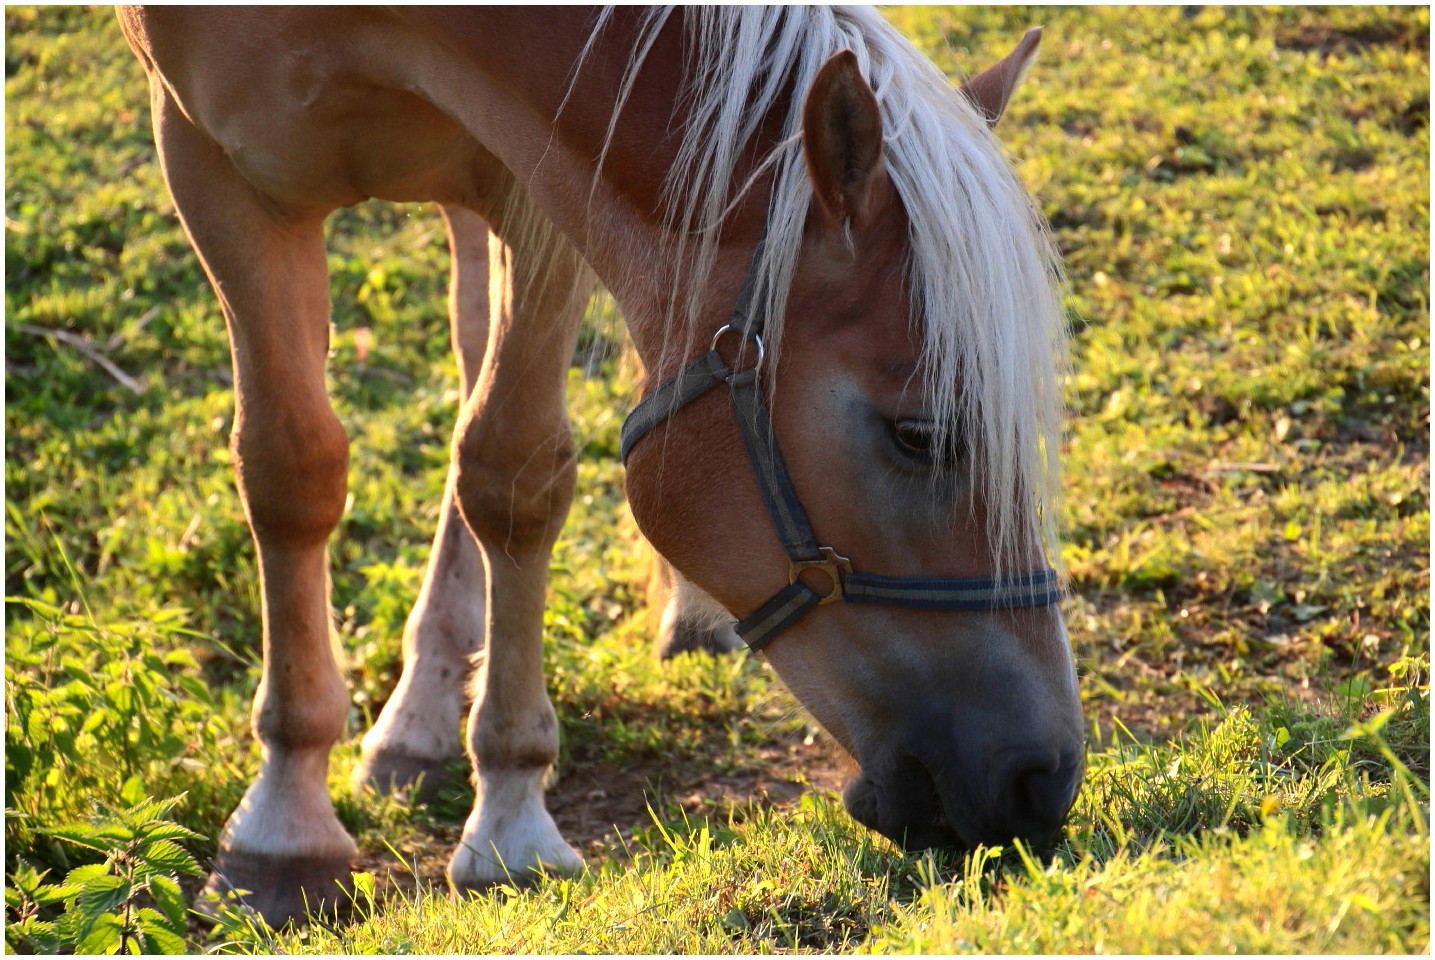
(1218, 843)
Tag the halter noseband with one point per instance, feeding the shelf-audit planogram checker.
(1036, 588)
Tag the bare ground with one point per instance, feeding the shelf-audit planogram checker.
(599, 807)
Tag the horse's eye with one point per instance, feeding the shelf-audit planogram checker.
(919, 440)
(915, 436)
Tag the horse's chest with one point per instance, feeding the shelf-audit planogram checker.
(334, 138)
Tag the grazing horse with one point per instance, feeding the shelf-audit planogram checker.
(847, 307)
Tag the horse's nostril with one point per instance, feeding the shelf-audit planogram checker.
(1040, 796)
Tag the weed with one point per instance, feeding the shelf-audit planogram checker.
(107, 905)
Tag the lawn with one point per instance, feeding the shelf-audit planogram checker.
(1242, 199)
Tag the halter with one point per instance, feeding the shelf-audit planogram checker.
(1036, 588)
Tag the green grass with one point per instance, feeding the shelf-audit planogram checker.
(1276, 854)
(1241, 196)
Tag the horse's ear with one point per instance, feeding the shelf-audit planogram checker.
(990, 90)
(842, 139)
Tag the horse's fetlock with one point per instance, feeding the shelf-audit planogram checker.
(528, 744)
(314, 721)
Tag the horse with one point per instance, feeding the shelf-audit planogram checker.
(792, 207)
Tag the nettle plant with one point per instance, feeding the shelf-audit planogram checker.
(130, 902)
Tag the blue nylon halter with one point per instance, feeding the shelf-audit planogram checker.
(1035, 588)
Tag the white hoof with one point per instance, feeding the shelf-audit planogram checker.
(283, 844)
(510, 837)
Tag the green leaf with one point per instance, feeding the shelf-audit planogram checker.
(364, 884)
(170, 857)
(180, 657)
(156, 939)
(103, 935)
(101, 894)
(1354, 689)
(19, 761)
(167, 830)
(736, 920)
(97, 719)
(196, 688)
(23, 877)
(78, 877)
(159, 934)
(147, 811)
(1369, 728)
(133, 792)
(52, 892)
(112, 834)
(87, 837)
(40, 935)
(169, 897)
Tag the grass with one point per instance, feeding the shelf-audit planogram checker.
(1214, 843)
(1242, 199)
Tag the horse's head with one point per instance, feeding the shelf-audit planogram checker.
(910, 462)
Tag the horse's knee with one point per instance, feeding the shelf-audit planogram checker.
(293, 473)
(515, 495)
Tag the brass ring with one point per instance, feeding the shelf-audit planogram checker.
(832, 563)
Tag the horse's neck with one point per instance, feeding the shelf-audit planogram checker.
(614, 215)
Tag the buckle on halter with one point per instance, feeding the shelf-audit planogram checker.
(832, 563)
(742, 339)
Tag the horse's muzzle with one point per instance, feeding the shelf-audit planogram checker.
(921, 804)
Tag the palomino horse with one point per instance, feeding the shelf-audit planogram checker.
(888, 353)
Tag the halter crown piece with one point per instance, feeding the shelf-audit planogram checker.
(1036, 588)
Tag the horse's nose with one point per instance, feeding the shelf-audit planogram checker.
(925, 801)
(1030, 795)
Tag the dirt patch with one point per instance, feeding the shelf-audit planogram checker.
(1327, 40)
(600, 807)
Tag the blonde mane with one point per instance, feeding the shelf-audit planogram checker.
(982, 274)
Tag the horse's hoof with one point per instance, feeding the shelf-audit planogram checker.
(528, 849)
(390, 772)
(676, 636)
(279, 888)
(469, 874)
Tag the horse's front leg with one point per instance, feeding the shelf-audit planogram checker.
(515, 478)
(416, 736)
(268, 267)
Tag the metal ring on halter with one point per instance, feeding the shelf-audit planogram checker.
(832, 563)
(729, 328)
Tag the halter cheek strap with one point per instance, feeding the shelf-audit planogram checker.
(791, 603)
